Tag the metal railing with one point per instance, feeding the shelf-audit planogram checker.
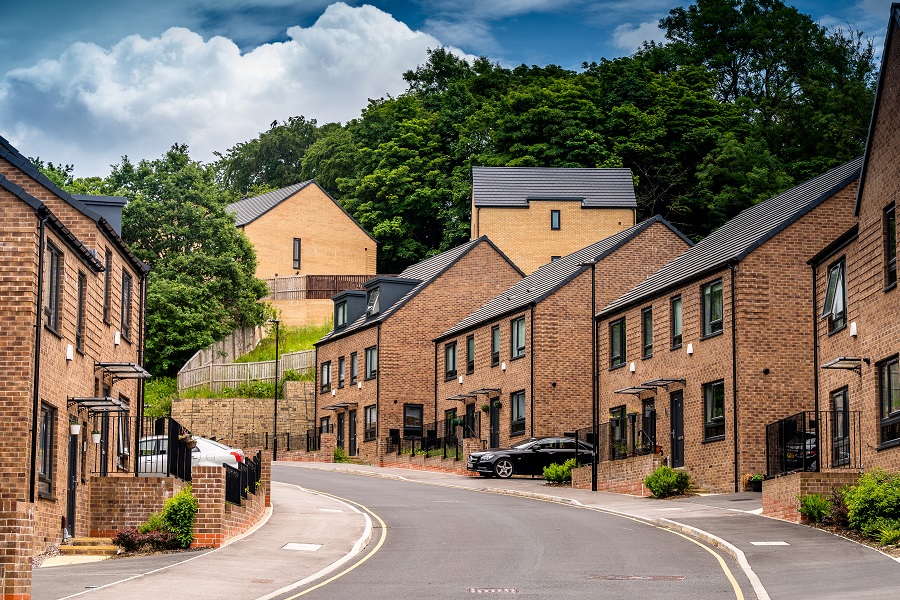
(312, 287)
(808, 441)
(441, 438)
(618, 439)
(219, 376)
(164, 449)
(243, 480)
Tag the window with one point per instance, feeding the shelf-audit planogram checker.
(835, 307)
(552, 258)
(495, 345)
(125, 322)
(370, 422)
(372, 305)
(450, 360)
(354, 368)
(340, 315)
(342, 367)
(647, 332)
(714, 410)
(617, 343)
(325, 377)
(123, 439)
(711, 297)
(517, 403)
(554, 220)
(371, 362)
(517, 334)
(618, 433)
(296, 253)
(470, 354)
(54, 285)
(840, 428)
(890, 247)
(889, 399)
(648, 424)
(412, 420)
(675, 315)
(450, 423)
(325, 425)
(79, 316)
(46, 435)
(106, 287)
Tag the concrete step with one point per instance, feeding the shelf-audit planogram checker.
(89, 547)
(90, 541)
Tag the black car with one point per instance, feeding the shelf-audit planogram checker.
(528, 457)
(800, 452)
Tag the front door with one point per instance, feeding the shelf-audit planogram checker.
(340, 430)
(72, 485)
(840, 428)
(351, 434)
(495, 426)
(104, 444)
(677, 418)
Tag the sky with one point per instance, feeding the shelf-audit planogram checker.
(85, 83)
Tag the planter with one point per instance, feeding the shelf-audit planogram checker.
(95, 437)
(755, 486)
(74, 428)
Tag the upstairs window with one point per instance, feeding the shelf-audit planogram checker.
(296, 253)
(517, 331)
(125, 320)
(54, 286)
(340, 315)
(371, 362)
(341, 371)
(325, 377)
(79, 316)
(647, 332)
(554, 220)
(711, 297)
(714, 410)
(450, 360)
(354, 368)
(372, 305)
(835, 307)
(470, 354)
(890, 247)
(675, 313)
(617, 343)
(495, 345)
(106, 286)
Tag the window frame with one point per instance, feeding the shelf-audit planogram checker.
(81, 300)
(617, 354)
(837, 274)
(373, 304)
(370, 422)
(371, 361)
(53, 305)
(107, 286)
(555, 220)
(325, 377)
(495, 345)
(123, 438)
(470, 354)
(354, 367)
(340, 314)
(517, 413)
(516, 350)
(342, 371)
(409, 430)
(126, 307)
(647, 332)
(889, 420)
(450, 361)
(713, 426)
(676, 323)
(710, 326)
(46, 446)
(890, 246)
(325, 425)
(618, 432)
(297, 248)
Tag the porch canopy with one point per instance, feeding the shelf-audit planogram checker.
(340, 405)
(99, 405)
(122, 370)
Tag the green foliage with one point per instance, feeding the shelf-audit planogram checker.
(814, 507)
(666, 481)
(560, 473)
(159, 393)
(340, 456)
(838, 516)
(889, 532)
(290, 339)
(178, 514)
(154, 523)
(875, 496)
(756, 477)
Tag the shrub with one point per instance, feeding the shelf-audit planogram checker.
(889, 532)
(154, 523)
(129, 539)
(814, 507)
(132, 540)
(875, 496)
(560, 473)
(178, 513)
(838, 514)
(666, 481)
(340, 456)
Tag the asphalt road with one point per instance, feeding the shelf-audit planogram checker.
(441, 542)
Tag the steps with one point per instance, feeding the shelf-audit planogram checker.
(698, 491)
(89, 546)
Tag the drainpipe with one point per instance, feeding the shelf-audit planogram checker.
(531, 338)
(436, 380)
(734, 385)
(139, 426)
(36, 394)
(815, 323)
(378, 391)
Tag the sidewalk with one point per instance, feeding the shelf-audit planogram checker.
(781, 559)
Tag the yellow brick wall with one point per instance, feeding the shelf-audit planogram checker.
(331, 242)
(524, 234)
(295, 313)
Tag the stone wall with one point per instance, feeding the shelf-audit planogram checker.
(781, 496)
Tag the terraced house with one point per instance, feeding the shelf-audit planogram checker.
(696, 359)
(71, 351)
(375, 369)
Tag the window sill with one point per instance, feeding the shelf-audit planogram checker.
(616, 367)
(718, 438)
(371, 439)
(888, 445)
(46, 496)
(53, 331)
(326, 391)
(711, 335)
(371, 378)
(512, 435)
(646, 356)
(890, 287)
(495, 364)
(352, 382)
(340, 386)
(512, 358)
(450, 376)
(838, 330)
(678, 347)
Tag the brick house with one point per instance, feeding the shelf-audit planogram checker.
(72, 345)
(700, 356)
(537, 214)
(528, 349)
(375, 369)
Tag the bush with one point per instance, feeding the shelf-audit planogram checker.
(560, 473)
(666, 481)
(129, 540)
(132, 540)
(154, 523)
(178, 513)
(838, 514)
(340, 456)
(876, 496)
(814, 507)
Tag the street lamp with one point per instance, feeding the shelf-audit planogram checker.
(275, 413)
(595, 388)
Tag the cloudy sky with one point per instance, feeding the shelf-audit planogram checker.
(87, 82)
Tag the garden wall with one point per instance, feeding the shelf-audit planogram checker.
(624, 476)
(126, 502)
(780, 496)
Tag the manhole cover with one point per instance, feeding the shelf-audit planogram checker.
(637, 577)
(493, 590)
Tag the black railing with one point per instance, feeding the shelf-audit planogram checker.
(266, 441)
(244, 480)
(619, 438)
(313, 440)
(164, 449)
(441, 438)
(810, 442)
(233, 486)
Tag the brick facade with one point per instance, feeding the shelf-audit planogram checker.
(780, 495)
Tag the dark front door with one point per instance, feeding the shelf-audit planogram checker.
(351, 434)
(495, 426)
(104, 445)
(340, 430)
(72, 485)
(676, 413)
(840, 428)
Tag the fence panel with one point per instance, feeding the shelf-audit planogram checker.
(232, 485)
(808, 441)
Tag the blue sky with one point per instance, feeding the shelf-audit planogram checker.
(87, 82)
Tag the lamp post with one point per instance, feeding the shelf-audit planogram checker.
(595, 388)
(275, 413)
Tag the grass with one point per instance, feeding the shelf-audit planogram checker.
(290, 339)
(159, 393)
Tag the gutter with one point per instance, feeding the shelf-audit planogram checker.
(436, 381)
(734, 384)
(139, 426)
(815, 322)
(35, 400)
(378, 391)
(531, 358)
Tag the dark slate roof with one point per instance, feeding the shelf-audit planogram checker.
(516, 186)
(250, 209)
(740, 236)
(10, 153)
(425, 272)
(551, 277)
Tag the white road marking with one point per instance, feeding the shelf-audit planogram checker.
(331, 510)
(770, 543)
(303, 547)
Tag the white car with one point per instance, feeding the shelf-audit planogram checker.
(153, 454)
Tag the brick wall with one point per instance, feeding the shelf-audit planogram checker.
(295, 313)
(781, 496)
(624, 476)
(16, 531)
(123, 502)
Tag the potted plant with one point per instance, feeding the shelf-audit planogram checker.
(756, 482)
(485, 407)
(95, 436)
(74, 427)
(496, 404)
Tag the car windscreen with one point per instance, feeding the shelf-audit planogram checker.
(524, 444)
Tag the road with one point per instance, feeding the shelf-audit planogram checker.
(442, 542)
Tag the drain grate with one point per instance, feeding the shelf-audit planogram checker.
(492, 590)
(637, 577)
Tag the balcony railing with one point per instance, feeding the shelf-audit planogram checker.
(810, 441)
(441, 438)
(620, 438)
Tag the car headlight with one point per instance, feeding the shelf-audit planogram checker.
(487, 456)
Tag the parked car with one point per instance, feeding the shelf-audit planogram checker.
(528, 457)
(800, 452)
(153, 454)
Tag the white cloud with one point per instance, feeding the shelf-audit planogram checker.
(629, 37)
(93, 105)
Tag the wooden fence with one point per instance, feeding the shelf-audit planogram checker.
(236, 344)
(313, 287)
(219, 376)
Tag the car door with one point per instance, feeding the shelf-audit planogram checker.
(549, 453)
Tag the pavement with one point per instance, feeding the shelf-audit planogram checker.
(777, 557)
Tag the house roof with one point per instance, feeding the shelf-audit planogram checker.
(893, 23)
(10, 153)
(551, 277)
(425, 273)
(740, 236)
(511, 187)
(250, 209)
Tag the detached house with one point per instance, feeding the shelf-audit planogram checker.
(696, 359)
(536, 215)
(526, 355)
(375, 369)
(71, 353)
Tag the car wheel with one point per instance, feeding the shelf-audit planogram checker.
(503, 468)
